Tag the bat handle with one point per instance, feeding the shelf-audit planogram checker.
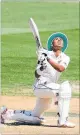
(39, 45)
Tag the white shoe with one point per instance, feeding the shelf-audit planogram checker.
(3, 110)
(66, 125)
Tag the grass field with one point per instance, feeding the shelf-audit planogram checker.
(18, 46)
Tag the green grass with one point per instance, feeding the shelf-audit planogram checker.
(19, 58)
(77, 95)
(18, 50)
(48, 15)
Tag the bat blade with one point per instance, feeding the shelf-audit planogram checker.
(35, 32)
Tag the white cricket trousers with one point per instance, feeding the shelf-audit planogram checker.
(44, 98)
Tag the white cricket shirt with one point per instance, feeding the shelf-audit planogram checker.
(50, 74)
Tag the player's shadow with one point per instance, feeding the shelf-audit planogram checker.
(28, 124)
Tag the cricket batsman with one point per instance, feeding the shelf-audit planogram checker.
(51, 63)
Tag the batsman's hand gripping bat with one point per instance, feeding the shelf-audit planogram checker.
(35, 32)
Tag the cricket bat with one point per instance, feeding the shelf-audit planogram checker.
(35, 32)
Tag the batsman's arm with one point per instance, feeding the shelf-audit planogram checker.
(59, 66)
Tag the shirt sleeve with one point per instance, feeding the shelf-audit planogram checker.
(65, 62)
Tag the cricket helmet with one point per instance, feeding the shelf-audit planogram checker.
(55, 35)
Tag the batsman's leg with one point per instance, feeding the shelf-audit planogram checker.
(63, 105)
(44, 98)
(42, 104)
(18, 115)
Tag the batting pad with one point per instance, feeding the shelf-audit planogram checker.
(24, 118)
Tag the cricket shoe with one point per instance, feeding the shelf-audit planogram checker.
(3, 110)
(66, 125)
